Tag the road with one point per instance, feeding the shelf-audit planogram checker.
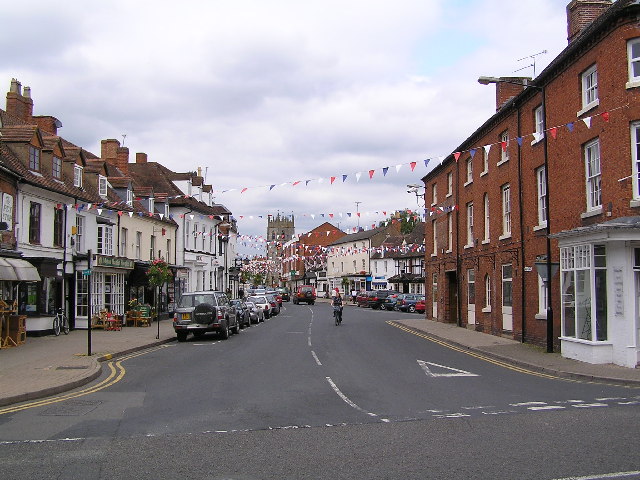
(297, 397)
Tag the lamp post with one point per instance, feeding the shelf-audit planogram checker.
(549, 273)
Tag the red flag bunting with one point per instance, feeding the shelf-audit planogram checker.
(456, 155)
(413, 165)
(333, 179)
(554, 132)
(371, 172)
(605, 116)
(244, 190)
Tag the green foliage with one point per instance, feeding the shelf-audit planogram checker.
(407, 219)
(159, 273)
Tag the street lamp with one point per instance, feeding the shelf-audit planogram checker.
(550, 272)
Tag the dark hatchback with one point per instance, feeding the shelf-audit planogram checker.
(202, 312)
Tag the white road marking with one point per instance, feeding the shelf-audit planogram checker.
(527, 404)
(604, 475)
(452, 415)
(456, 372)
(606, 399)
(479, 407)
(547, 407)
(590, 405)
(346, 399)
(316, 358)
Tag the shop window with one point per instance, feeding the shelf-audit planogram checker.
(82, 295)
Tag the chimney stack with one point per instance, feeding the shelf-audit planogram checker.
(581, 13)
(122, 159)
(141, 157)
(109, 150)
(19, 105)
(506, 91)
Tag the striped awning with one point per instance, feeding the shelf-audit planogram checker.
(18, 270)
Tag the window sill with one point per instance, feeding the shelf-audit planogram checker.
(591, 213)
(538, 139)
(634, 203)
(448, 251)
(586, 342)
(541, 316)
(434, 255)
(504, 237)
(466, 247)
(540, 227)
(486, 242)
(449, 195)
(468, 183)
(633, 84)
(486, 310)
(483, 173)
(502, 162)
(591, 106)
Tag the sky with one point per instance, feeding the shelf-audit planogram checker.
(262, 94)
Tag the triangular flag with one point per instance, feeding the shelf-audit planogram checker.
(358, 175)
(413, 165)
(426, 162)
(456, 155)
(398, 167)
(333, 179)
(504, 146)
(520, 139)
(570, 126)
(371, 172)
(487, 148)
(295, 183)
(554, 132)
(605, 116)
(384, 171)
(344, 177)
(306, 183)
(130, 214)
(472, 152)
(587, 122)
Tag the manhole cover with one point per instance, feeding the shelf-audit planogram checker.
(71, 408)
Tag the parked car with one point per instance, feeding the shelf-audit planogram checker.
(362, 299)
(256, 314)
(377, 297)
(306, 294)
(262, 302)
(241, 312)
(273, 301)
(284, 293)
(421, 306)
(278, 297)
(408, 303)
(202, 312)
(390, 302)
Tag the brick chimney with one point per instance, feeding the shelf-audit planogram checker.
(20, 105)
(581, 13)
(141, 157)
(109, 149)
(122, 159)
(48, 123)
(506, 91)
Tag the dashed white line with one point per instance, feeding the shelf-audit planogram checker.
(547, 407)
(315, 357)
(527, 404)
(590, 405)
(604, 475)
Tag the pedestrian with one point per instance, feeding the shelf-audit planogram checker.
(354, 294)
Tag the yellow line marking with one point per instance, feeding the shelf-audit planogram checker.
(117, 372)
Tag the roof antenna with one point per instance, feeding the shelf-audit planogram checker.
(124, 136)
(533, 62)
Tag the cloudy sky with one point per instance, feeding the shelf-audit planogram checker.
(272, 92)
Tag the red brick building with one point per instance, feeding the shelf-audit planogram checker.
(559, 160)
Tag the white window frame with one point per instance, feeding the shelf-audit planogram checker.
(102, 186)
(469, 171)
(487, 293)
(449, 232)
(589, 82)
(104, 240)
(487, 224)
(151, 204)
(56, 167)
(542, 299)
(541, 182)
(538, 135)
(507, 279)
(138, 245)
(123, 242)
(435, 238)
(449, 184)
(79, 233)
(635, 161)
(471, 286)
(129, 197)
(469, 225)
(504, 152)
(506, 210)
(77, 176)
(434, 194)
(187, 234)
(485, 161)
(633, 62)
(593, 175)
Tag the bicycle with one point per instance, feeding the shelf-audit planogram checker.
(337, 314)
(60, 322)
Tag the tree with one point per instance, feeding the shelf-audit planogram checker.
(407, 219)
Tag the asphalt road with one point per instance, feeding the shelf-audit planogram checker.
(298, 397)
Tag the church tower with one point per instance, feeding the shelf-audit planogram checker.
(280, 229)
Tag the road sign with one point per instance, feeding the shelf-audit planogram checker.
(86, 273)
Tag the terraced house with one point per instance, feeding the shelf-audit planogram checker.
(550, 183)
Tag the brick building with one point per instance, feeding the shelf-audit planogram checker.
(559, 160)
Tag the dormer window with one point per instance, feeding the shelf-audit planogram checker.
(102, 186)
(129, 197)
(166, 209)
(77, 176)
(56, 169)
(151, 204)
(34, 159)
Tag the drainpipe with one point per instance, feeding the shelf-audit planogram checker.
(522, 243)
(458, 269)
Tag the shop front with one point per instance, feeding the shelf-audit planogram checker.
(39, 300)
(14, 273)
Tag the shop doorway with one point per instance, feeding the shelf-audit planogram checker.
(452, 297)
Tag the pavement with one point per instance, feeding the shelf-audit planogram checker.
(48, 365)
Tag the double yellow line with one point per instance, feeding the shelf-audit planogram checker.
(117, 372)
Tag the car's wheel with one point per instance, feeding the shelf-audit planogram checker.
(412, 308)
(236, 328)
(224, 333)
(311, 303)
(383, 307)
(182, 336)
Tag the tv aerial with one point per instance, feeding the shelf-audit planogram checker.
(533, 62)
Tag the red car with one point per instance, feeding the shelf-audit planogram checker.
(421, 306)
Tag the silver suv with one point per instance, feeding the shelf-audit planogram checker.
(202, 312)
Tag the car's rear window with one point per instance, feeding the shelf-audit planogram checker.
(192, 300)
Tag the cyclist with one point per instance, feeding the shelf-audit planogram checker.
(336, 302)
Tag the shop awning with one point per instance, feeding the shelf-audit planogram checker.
(18, 270)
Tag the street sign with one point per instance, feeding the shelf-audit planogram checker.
(86, 273)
